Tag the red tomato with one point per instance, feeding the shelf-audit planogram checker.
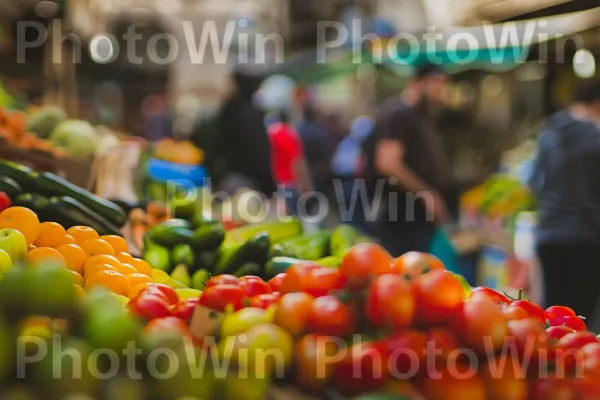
(313, 366)
(406, 352)
(292, 312)
(575, 323)
(566, 356)
(224, 279)
(414, 263)
(529, 338)
(163, 290)
(275, 283)
(514, 313)
(451, 387)
(557, 332)
(444, 341)
(185, 309)
(505, 379)
(558, 311)
(363, 369)
(437, 294)
(362, 262)
(576, 340)
(253, 285)
(295, 277)
(485, 327)
(329, 316)
(167, 325)
(591, 359)
(497, 297)
(531, 309)
(5, 201)
(390, 303)
(323, 281)
(220, 296)
(264, 301)
(585, 388)
(150, 306)
(551, 388)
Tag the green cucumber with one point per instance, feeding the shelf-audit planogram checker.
(206, 260)
(176, 222)
(52, 185)
(208, 238)
(317, 247)
(280, 250)
(343, 238)
(250, 268)
(10, 187)
(170, 236)
(279, 265)
(276, 230)
(24, 176)
(37, 203)
(74, 213)
(254, 250)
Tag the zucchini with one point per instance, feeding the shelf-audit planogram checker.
(254, 250)
(279, 265)
(73, 213)
(170, 236)
(208, 238)
(206, 260)
(52, 185)
(37, 203)
(24, 176)
(10, 187)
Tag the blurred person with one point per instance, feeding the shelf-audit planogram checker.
(242, 140)
(405, 154)
(315, 148)
(566, 180)
(347, 164)
(335, 129)
(289, 164)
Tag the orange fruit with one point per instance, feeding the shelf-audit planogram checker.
(127, 269)
(74, 255)
(68, 239)
(22, 219)
(78, 279)
(96, 247)
(44, 254)
(51, 234)
(102, 259)
(82, 233)
(125, 258)
(114, 281)
(118, 243)
(142, 266)
(31, 247)
(98, 268)
(136, 289)
(136, 279)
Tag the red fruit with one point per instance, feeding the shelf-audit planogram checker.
(406, 352)
(575, 323)
(313, 369)
(163, 290)
(292, 312)
(329, 316)
(390, 303)
(167, 325)
(485, 327)
(254, 286)
(362, 262)
(576, 340)
(530, 339)
(585, 388)
(559, 311)
(275, 283)
(551, 389)
(505, 379)
(591, 359)
(451, 387)
(531, 309)
(363, 369)
(295, 277)
(220, 296)
(437, 294)
(414, 263)
(224, 279)
(5, 201)
(444, 343)
(185, 309)
(323, 281)
(150, 306)
(557, 332)
(264, 301)
(495, 296)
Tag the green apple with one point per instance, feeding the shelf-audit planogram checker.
(5, 261)
(14, 243)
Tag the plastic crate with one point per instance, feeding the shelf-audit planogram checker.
(164, 171)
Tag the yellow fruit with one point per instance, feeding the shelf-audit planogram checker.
(188, 293)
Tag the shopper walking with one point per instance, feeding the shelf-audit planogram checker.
(405, 159)
(567, 182)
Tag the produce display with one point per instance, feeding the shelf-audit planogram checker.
(14, 130)
(179, 152)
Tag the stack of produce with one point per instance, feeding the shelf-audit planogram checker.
(190, 253)
(179, 152)
(14, 130)
(54, 199)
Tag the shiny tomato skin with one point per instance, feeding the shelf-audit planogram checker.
(323, 281)
(505, 379)
(254, 286)
(362, 262)
(275, 283)
(329, 316)
(445, 342)
(591, 359)
(163, 290)
(167, 325)
(185, 309)
(497, 297)
(292, 312)
(150, 306)
(551, 388)
(576, 340)
(224, 279)
(585, 388)
(390, 303)
(220, 296)
(558, 311)
(557, 332)
(575, 323)
(406, 351)
(514, 313)
(485, 327)
(363, 369)
(529, 338)
(438, 294)
(313, 371)
(532, 309)
(5, 201)
(295, 277)
(264, 301)
(414, 263)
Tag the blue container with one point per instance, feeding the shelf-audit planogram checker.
(163, 171)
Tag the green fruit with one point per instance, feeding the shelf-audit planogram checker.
(13, 294)
(5, 262)
(260, 340)
(181, 275)
(50, 291)
(246, 388)
(244, 320)
(110, 329)
(200, 278)
(158, 257)
(14, 243)
(183, 254)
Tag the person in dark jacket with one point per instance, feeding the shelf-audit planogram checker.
(566, 178)
(243, 141)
